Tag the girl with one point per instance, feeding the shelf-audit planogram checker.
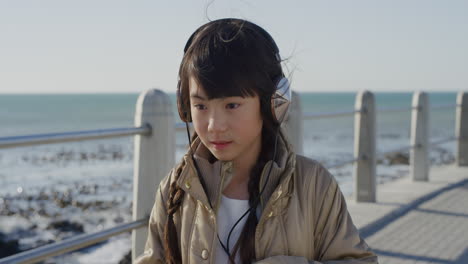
(240, 194)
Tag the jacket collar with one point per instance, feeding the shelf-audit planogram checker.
(217, 175)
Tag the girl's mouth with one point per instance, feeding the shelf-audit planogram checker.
(221, 144)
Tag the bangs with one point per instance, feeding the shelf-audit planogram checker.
(224, 81)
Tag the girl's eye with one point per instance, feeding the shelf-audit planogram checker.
(200, 107)
(232, 106)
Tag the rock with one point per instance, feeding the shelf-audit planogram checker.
(66, 226)
(117, 155)
(63, 200)
(397, 158)
(8, 247)
(83, 156)
(43, 196)
(118, 219)
(127, 259)
(5, 207)
(43, 212)
(445, 157)
(40, 243)
(95, 205)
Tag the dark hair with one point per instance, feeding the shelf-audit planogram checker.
(230, 57)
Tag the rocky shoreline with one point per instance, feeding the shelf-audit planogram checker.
(48, 214)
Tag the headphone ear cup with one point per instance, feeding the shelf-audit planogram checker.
(184, 111)
(281, 100)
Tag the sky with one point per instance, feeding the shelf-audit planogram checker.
(114, 46)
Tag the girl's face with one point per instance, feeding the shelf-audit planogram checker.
(229, 127)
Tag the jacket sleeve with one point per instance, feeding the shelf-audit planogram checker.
(154, 249)
(336, 239)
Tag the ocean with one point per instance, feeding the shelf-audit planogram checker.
(90, 183)
(327, 140)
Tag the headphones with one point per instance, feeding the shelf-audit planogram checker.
(280, 100)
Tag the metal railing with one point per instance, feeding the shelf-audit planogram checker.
(71, 244)
(81, 241)
(153, 110)
(394, 109)
(308, 116)
(51, 138)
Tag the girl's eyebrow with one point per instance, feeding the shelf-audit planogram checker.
(196, 96)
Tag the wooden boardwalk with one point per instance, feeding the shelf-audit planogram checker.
(418, 222)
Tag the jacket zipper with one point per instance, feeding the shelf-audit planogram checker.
(214, 213)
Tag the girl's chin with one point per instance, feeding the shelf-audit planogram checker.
(221, 156)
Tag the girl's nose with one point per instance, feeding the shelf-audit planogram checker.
(217, 122)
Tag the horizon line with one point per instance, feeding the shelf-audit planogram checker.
(136, 93)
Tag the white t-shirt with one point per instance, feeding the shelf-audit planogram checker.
(230, 210)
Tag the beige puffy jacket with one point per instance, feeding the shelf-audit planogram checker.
(303, 219)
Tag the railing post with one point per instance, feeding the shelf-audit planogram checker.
(419, 155)
(294, 124)
(461, 130)
(154, 157)
(364, 148)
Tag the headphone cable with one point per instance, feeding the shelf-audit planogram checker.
(261, 192)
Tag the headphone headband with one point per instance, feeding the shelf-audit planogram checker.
(257, 28)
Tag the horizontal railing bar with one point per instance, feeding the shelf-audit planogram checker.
(74, 243)
(340, 164)
(442, 141)
(442, 106)
(328, 115)
(405, 109)
(39, 139)
(394, 109)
